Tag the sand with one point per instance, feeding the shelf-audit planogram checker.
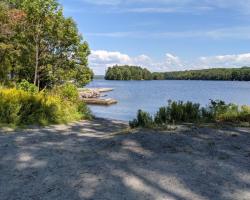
(101, 160)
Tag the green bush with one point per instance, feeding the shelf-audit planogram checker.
(84, 110)
(233, 113)
(162, 116)
(27, 86)
(245, 114)
(22, 107)
(143, 120)
(9, 107)
(67, 91)
(179, 112)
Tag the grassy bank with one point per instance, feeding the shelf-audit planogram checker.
(180, 112)
(25, 105)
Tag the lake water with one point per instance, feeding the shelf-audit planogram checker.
(150, 95)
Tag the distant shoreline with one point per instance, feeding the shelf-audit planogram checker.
(216, 74)
(174, 80)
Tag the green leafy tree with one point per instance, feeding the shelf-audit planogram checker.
(51, 49)
(11, 23)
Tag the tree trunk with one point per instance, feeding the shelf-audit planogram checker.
(38, 83)
(37, 63)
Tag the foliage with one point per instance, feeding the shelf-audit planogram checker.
(39, 44)
(179, 112)
(161, 116)
(138, 73)
(158, 76)
(20, 107)
(143, 120)
(232, 74)
(28, 87)
(127, 73)
(67, 91)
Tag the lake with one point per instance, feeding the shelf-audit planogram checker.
(150, 95)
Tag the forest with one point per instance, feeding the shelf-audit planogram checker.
(231, 74)
(127, 72)
(139, 73)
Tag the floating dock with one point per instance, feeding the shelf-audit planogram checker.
(92, 96)
(101, 102)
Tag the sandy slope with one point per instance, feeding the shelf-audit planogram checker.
(86, 160)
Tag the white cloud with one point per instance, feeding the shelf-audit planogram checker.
(225, 60)
(106, 57)
(100, 60)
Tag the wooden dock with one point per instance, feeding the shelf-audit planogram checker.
(101, 102)
(92, 96)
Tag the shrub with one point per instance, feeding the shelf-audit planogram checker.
(143, 120)
(23, 107)
(179, 112)
(191, 112)
(245, 114)
(9, 106)
(67, 91)
(28, 87)
(233, 113)
(183, 112)
(162, 116)
(227, 113)
(84, 110)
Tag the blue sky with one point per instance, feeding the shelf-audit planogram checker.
(164, 35)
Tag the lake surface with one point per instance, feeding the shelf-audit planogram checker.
(150, 95)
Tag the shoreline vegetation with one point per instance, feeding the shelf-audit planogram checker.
(44, 58)
(44, 61)
(138, 73)
(180, 112)
(26, 105)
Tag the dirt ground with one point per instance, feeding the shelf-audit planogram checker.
(97, 160)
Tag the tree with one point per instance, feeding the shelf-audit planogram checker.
(52, 50)
(11, 22)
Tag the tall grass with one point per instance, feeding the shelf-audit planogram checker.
(25, 107)
(180, 112)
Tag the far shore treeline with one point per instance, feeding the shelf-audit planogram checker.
(138, 73)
